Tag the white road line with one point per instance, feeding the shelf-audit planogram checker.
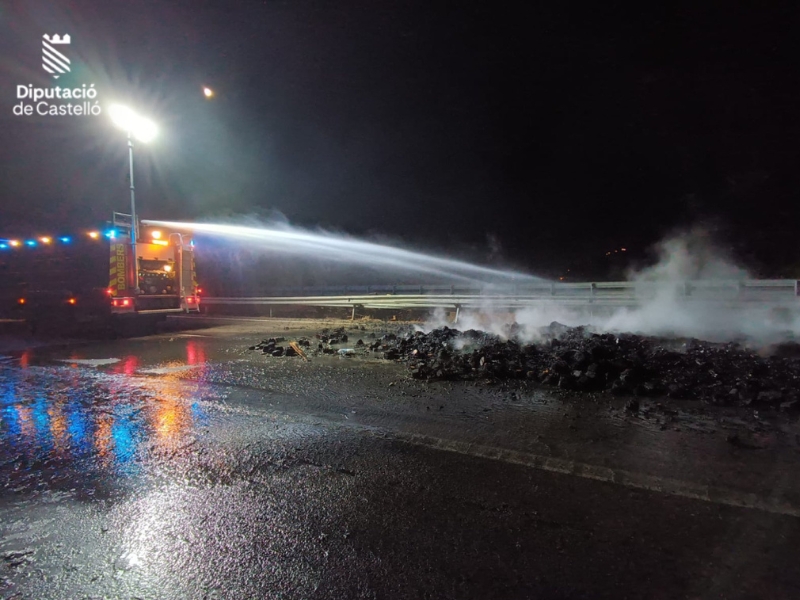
(665, 485)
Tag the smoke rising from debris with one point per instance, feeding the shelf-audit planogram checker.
(687, 257)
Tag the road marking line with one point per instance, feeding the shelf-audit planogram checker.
(665, 485)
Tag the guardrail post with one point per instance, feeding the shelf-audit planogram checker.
(458, 310)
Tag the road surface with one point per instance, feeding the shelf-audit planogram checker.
(183, 465)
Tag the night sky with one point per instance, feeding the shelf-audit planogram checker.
(538, 138)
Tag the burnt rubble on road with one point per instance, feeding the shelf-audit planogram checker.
(578, 360)
(575, 359)
(323, 343)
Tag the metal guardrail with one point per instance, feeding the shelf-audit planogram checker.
(772, 292)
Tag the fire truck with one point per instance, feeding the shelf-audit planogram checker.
(99, 280)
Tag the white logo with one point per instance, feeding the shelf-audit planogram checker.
(53, 61)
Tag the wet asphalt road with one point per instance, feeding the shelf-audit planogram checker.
(183, 466)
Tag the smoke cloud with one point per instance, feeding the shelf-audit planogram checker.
(663, 309)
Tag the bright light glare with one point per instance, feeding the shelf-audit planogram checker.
(14, 243)
(31, 242)
(208, 92)
(45, 240)
(3, 246)
(156, 235)
(167, 268)
(123, 117)
(65, 239)
(94, 234)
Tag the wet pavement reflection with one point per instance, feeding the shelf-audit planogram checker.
(62, 425)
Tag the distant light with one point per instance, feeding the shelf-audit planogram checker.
(123, 117)
(14, 243)
(167, 268)
(156, 235)
(208, 92)
(72, 301)
(30, 242)
(125, 302)
(191, 243)
(624, 249)
(94, 234)
(21, 301)
(65, 239)
(45, 240)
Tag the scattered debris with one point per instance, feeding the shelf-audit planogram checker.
(576, 359)
(298, 350)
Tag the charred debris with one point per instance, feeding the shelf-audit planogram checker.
(577, 359)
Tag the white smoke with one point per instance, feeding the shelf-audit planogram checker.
(664, 308)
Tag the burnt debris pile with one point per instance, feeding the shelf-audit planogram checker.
(325, 342)
(573, 358)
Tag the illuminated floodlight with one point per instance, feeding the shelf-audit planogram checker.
(14, 243)
(156, 235)
(139, 127)
(30, 243)
(45, 240)
(167, 268)
(65, 240)
(208, 92)
(94, 234)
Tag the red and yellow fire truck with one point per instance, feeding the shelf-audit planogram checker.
(91, 280)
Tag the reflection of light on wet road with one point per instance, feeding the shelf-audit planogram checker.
(58, 426)
(195, 352)
(81, 421)
(127, 366)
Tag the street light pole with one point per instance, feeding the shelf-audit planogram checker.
(143, 130)
(133, 208)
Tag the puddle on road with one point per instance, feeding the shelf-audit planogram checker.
(90, 362)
